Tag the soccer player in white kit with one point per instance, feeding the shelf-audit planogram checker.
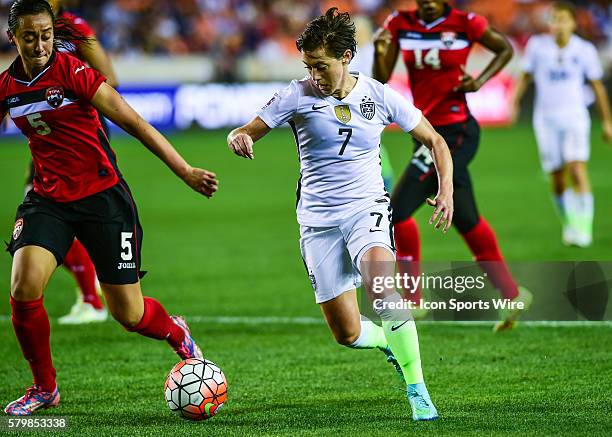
(343, 210)
(560, 63)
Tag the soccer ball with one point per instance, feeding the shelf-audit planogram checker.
(195, 389)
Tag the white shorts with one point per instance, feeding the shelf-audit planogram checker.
(332, 255)
(562, 141)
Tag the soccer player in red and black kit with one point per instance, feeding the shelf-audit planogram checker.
(435, 41)
(88, 307)
(78, 192)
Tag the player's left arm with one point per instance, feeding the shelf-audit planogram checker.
(108, 101)
(443, 202)
(501, 47)
(603, 105)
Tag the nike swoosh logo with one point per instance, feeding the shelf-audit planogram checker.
(315, 107)
(376, 230)
(395, 328)
(79, 69)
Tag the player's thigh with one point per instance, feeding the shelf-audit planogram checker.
(327, 261)
(466, 214)
(31, 270)
(44, 223)
(368, 231)
(409, 193)
(576, 141)
(125, 302)
(342, 316)
(549, 138)
(111, 232)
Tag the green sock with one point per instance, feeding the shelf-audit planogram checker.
(370, 336)
(401, 334)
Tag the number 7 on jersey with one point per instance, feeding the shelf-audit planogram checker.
(348, 131)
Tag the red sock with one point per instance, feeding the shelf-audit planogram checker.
(483, 244)
(31, 325)
(78, 262)
(408, 246)
(156, 323)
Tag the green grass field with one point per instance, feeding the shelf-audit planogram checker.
(237, 256)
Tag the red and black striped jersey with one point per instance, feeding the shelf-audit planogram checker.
(71, 154)
(434, 53)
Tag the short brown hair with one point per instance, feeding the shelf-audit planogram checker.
(334, 31)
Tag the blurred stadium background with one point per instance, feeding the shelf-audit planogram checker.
(170, 54)
(195, 68)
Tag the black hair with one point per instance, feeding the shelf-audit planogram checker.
(334, 31)
(65, 34)
(565, 6)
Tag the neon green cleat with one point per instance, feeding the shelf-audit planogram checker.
(509, 316)
(420, 402)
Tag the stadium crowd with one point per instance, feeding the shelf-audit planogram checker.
(227, 29)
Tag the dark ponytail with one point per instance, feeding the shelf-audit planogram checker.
(65, 34)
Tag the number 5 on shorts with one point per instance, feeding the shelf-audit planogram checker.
(126, 245)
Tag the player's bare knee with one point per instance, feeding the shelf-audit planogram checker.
(346, 338)
(26, 287)
(126, 319)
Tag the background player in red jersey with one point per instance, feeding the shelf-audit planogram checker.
(88, 306)
(435, 41)
(78, 191)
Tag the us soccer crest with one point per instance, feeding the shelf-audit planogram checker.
(367, 108)
(343, 113)
(55, 96)
(448, 38)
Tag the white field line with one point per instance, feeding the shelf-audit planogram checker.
(262, 320)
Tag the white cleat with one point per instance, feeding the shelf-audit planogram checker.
(81, 313)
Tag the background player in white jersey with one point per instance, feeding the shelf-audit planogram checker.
(343, 210)
(559, 63)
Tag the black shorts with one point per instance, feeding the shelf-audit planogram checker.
(106, 223)
(420, 180)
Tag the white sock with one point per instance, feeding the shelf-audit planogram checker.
(371, 336)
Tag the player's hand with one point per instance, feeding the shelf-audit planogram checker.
(607, 131)
(443, 212)
(202, 181)
(467, 83)
(242, 145)
(382, 41)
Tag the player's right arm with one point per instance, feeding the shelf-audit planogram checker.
(279, 110)
(240, 140)
(386, 50)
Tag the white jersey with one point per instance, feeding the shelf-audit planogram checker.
(560, 74)
(338, 144)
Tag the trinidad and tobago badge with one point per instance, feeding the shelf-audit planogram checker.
(448, 38)
(18, 228)
(367, 108)
(55, 96)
